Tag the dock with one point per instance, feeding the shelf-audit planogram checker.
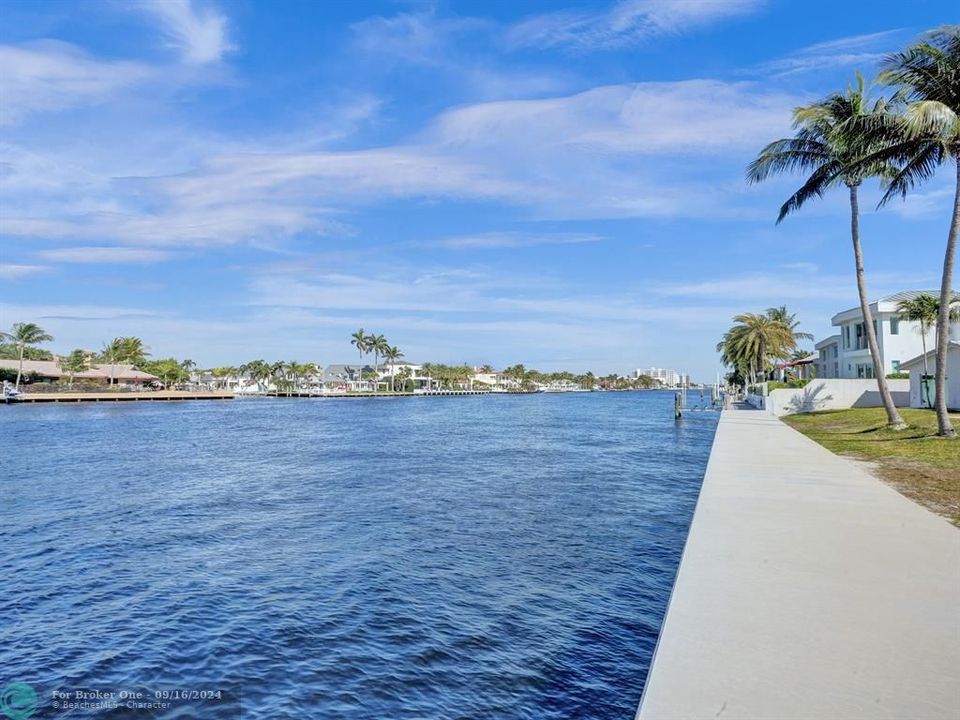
(120, 396)
(420, 393)
(807, 589)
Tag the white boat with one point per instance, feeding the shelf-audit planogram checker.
(10, 393)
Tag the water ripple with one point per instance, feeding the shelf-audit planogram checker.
(492, 557)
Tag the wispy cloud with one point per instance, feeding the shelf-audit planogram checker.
(497, 240)
(626, 23)
(855, 51)
(105, 255)
(418, 38)
(198, 32)
(797, 281)
(51, 75)
(576, 156)
(924, 203)
(16, 272)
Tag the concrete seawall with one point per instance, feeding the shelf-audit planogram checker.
(807, 590)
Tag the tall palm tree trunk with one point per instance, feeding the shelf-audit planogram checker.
(893, 416)
(944, 426)
(926, 370)
(19, 368)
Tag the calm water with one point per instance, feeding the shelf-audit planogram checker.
(471, 557)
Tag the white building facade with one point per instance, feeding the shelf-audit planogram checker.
(847, 355)
(670, 378)
(828, 357)
(922, 388)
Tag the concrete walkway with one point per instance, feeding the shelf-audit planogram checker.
(808, 590)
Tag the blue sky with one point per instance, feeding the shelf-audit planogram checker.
(483, 182)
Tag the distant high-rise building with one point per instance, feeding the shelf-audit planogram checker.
(670, 378)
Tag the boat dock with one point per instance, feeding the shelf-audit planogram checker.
(807, 589)
(419, 393)
(141, 396)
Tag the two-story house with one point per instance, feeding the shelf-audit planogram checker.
(846, 355)
(828, 357)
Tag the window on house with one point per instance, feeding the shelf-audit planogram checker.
(865, 370)
(896, 365)
(894, 325)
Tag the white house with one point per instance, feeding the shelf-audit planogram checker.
(898, 340)
(921, 386)
(828, 357)
(666, 376)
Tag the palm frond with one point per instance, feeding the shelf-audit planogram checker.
(918, 167)
(819, 182)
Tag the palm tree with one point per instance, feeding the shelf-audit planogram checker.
(123, 350)
(831, 145)
(753, 341)
(359, 340)
(23, 336)
(781, 314)
(75, 362)
(259, 371)
(392, 353)
(188, 367)
(923, 309)
(377, 344)
(928, 75)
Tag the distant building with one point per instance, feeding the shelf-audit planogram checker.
(898, 340)
(50, 371)
(668, 378)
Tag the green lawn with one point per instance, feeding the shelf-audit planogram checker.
(915, 461)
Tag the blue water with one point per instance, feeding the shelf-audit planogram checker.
(460, 557)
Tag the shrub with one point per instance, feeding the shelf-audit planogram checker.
(790, 384)
(898, 376)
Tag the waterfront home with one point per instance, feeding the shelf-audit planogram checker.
(922, 394)
(828, 357)
(343, 377)
(495, 381)
(49, 371)
(898, 339)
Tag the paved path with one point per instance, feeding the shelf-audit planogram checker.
(808, 590)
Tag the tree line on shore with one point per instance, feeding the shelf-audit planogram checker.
(286, 376)
(900, 139)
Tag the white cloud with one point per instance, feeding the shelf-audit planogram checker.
(497, 240)
(861, 51)
(578, 156)
(15, 272)
(104, 255)
(574, 156)
(800, 281)
(199, 33)
(50, 75)
(690, 116)
(922, 204)
(418, 38)
(626, 23)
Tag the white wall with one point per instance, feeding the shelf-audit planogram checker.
(907, 345)
(953, 381)
(834, 394)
